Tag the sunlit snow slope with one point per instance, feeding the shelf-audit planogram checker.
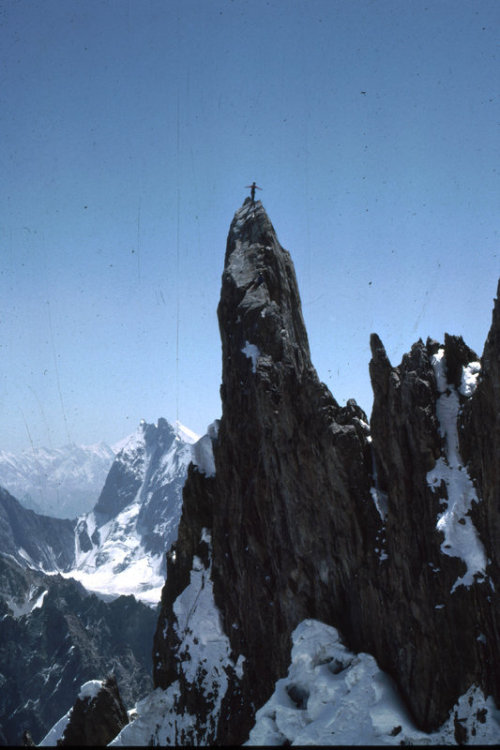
(120, 546)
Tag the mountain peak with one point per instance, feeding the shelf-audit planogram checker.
(250, 224)
(287, 461)
(260, 316)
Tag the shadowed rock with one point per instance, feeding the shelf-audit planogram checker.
(289, 508)
(96, 720)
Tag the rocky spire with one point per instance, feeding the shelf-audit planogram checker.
(289, 508)
(260, 315)
(479, 433)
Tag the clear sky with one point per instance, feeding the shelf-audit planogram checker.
(128, 133)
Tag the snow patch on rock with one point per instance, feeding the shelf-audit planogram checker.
(203, 455)
(90, 689)
(461, 538)
(252, 352)
(205, 660)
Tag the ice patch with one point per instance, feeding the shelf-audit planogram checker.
(380, 500)
(185, 434)
(200, 630)
(22, 552)
(461, 538)
(26, 604)
(39, 602)
(470, 375)
(252, 352)
(57, 731)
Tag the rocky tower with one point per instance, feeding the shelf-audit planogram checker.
(431, 623)
(291, 518)
(294, 521)
(309, 516)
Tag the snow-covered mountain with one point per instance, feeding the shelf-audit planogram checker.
(120, 545)
(59, 482)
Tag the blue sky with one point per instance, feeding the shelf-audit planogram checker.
(129, 131)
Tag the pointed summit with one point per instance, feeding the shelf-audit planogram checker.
(250, 224)
(260, 315)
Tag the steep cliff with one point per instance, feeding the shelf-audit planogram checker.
(379, 532)
(292, 522)
(479, 434)
(431, 626)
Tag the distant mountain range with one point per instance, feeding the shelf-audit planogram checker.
(60, 482)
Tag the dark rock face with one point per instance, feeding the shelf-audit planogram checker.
(54, 636)
(480, 437)
(479, 433)
(48, 543)
(421, 632)
(289, 508)
(381, 535)
(96, 720)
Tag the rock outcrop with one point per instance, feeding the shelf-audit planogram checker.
(430, 616)
(309, 513)
(97, 716)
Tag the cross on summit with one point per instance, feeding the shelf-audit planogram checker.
(253, 187)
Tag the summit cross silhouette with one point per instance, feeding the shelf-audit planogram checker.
(253, 187)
